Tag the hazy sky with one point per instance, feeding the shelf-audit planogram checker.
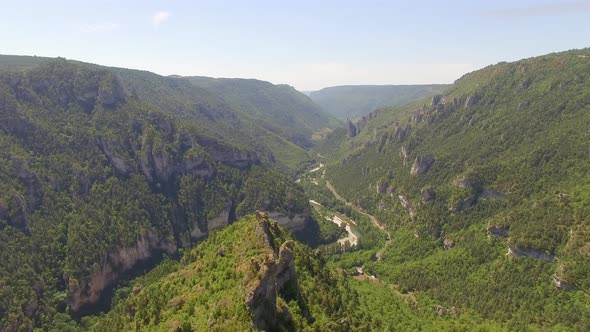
(307, 44)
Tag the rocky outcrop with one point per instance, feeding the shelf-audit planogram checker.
(532, 253)
(472, 100)
(463, 205)
(448, 244)
(277, 276)
(407, 205)
(463, 182)
(418, 115)
(88, 290)
(495, 231)
(561, 283)
(111, 92)
(428, 195)
(221, 220)
(491, 194)
(26, 204)
(404, 155)
(233, 157)
(294, 223)
(162, 166)
(352, 129)
(436, 100)
(119, 163)
(381, 187)
(422, 165)
(382, 141)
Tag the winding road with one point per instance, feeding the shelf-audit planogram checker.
(374, 220)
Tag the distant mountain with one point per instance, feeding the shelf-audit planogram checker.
(353, 101)
(278, 108)
(20, 61)
(174, 94)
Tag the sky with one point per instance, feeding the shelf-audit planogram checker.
(306, 44)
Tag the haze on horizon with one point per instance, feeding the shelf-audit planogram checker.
(306, 44)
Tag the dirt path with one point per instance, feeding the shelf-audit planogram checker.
(374, 220)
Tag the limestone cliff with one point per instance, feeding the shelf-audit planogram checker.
(277, 277)
(88, 290)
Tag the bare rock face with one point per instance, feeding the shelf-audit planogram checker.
(408, 206)
(422, 165)
(382, 141)
(352, 129)
(382, 187)
(404, 155)
(400, 132)
(448, 244)
(278, 275)
(532, 253)
(417, 116)
(428, 195)
(118, 162)
(111, 92)
(27, 204)
(234, 158)
(495, 231)
(219, 221)
(294, 223)
(561, 283)
(464, 205)
(87, 291)
(162, 166)
(472, 100)
(436, 100)
(463, 182)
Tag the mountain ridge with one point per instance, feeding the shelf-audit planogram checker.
(354, 101)
(490, 173)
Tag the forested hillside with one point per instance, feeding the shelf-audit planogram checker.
(249, 276)
(253, 276)
(485, 191)
(354, 101)
(178, 96)
(103, 171)
(133, 201)
(278, 108)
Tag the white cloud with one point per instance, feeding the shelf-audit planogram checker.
(160, 17)
(102, 26)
